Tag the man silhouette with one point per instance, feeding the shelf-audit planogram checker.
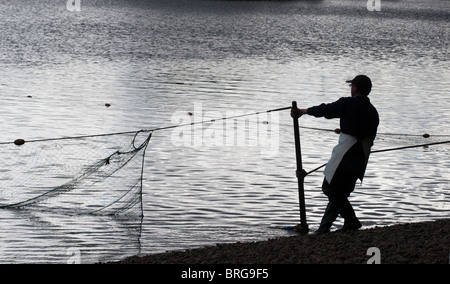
(358, 122)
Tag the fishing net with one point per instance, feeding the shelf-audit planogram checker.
(385, 142)
(388, 142)
(102, 174)
(99, 174)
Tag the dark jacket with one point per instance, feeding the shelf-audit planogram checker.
(359, 118)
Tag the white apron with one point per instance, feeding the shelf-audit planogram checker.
(346, 141)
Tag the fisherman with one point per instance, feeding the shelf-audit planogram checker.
(358, 123)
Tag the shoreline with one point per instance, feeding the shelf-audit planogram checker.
(411, 243)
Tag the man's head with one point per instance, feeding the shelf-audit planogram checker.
(361, 85)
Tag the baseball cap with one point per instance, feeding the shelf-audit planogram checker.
(363, 83)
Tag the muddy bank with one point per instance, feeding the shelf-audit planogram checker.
(427, 242)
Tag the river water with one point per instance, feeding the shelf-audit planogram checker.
(164, 62)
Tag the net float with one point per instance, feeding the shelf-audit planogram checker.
(19, 142)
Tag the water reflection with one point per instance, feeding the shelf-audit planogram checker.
(149, 60)
(48, 237)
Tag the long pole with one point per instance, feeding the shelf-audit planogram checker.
(300, 173)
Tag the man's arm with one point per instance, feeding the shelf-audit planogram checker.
(332, 110)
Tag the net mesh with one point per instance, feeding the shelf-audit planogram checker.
(99, 174)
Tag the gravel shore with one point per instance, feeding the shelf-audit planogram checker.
(413, 243)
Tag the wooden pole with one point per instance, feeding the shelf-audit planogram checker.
(300, 173)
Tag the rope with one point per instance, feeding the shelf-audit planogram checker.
(337, 130)
(223, 118)
(78, 137)
(411, 146)
(388, 150)
(152, 130)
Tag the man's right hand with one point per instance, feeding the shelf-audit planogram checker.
(296, 113)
